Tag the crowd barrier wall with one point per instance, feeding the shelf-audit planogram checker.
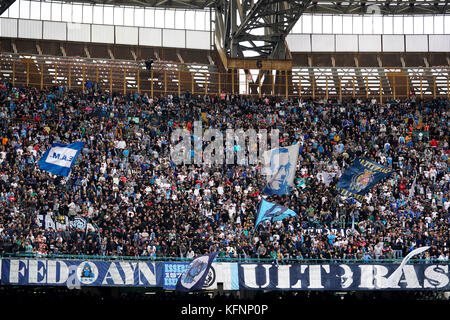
(338, 276)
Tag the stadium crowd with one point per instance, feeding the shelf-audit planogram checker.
(138, 203)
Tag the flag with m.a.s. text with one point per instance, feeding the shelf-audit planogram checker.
(60, 158)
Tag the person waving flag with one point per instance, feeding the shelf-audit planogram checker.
(280, 165)
(360, 177)
(60, 158)
(273, 212)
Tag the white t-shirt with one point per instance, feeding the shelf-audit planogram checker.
(446, 205)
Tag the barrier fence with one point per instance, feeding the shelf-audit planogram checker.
(237, 258)
(176, 78)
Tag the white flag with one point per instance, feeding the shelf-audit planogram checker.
(280, 165)
(395, 276)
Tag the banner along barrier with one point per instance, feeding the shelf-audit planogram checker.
(343, 277)
(233, 276)
(82, 273)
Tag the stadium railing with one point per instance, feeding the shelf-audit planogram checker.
(218, 259)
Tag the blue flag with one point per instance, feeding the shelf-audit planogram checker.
(197, 271)
(280, 165)
(360, 177)
(273, 212)
(60, 158)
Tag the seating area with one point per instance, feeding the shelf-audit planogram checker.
(138, 204)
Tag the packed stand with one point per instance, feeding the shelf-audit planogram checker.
(138, 203)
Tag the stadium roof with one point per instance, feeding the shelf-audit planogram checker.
(331, 7)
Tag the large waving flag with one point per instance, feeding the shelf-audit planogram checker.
(197, 271)
(60, 158)
(273, 212)
(360, 177)
(280, 165)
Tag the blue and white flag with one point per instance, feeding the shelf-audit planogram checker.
(360, 177)
(79, 223)
(60, 158)
(280, 165)
(273, 212)
(194, 276)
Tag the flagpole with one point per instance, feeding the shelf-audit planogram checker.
(257, 216)
(68, 177)
(85, 231)
(353, 222)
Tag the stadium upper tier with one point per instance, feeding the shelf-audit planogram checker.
(168, 77)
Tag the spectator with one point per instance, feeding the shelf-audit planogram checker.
(190, 254)
(125, 184)
(262, 251)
